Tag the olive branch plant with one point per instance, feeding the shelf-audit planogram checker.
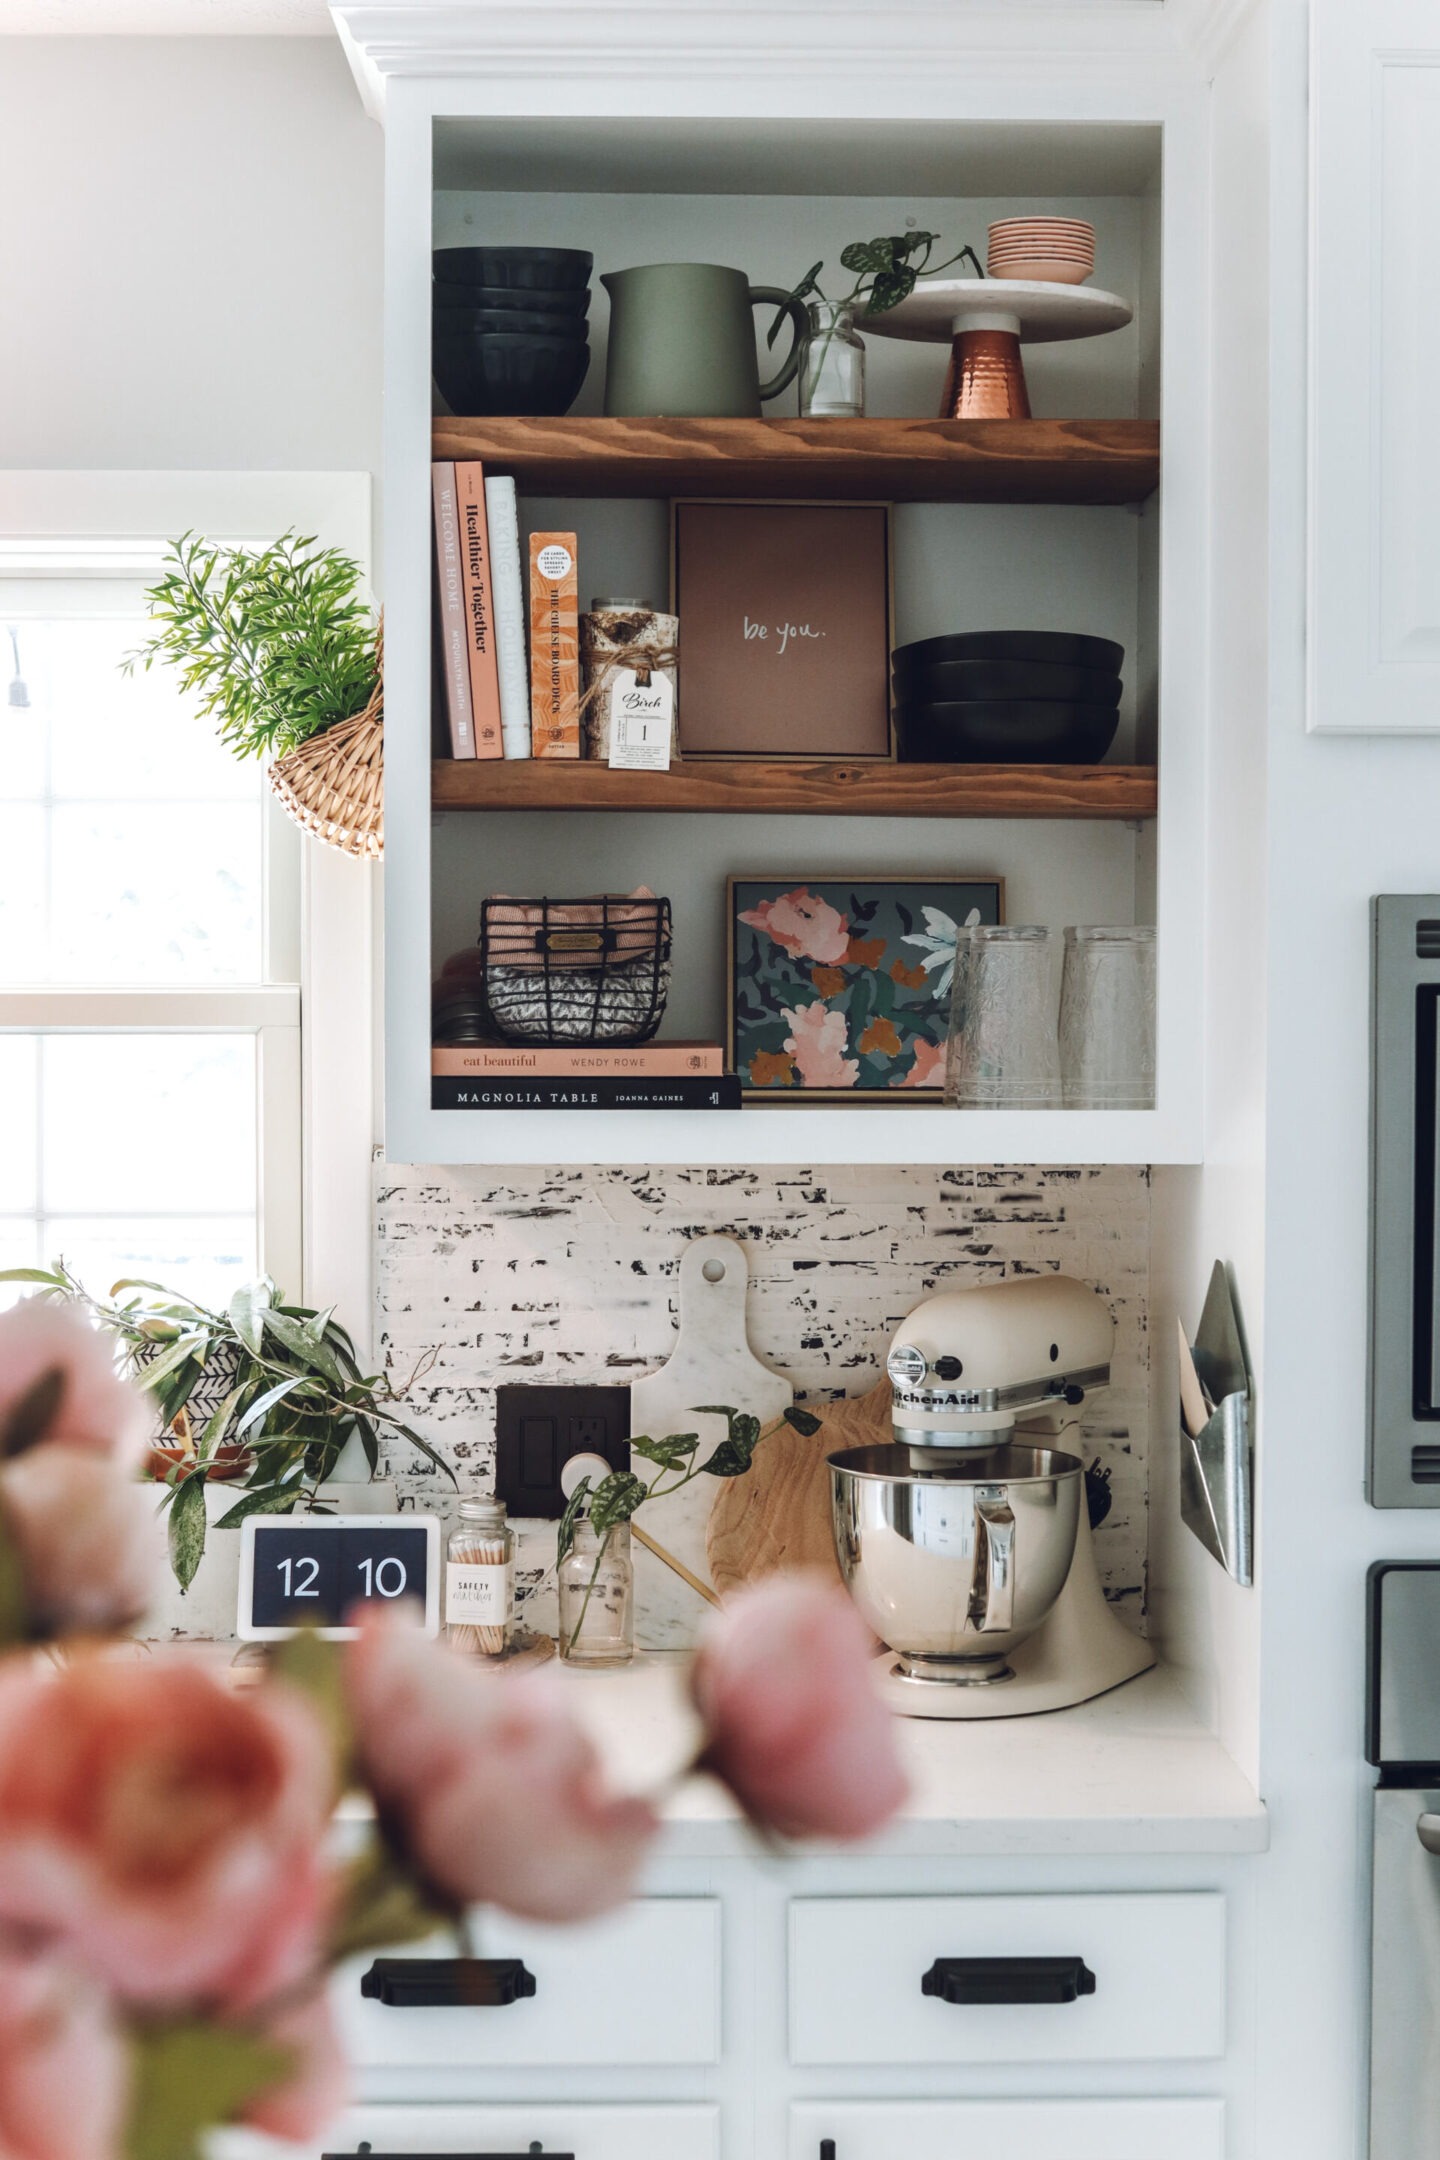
(276, 642)
(621, 1495)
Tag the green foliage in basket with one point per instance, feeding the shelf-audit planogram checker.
(886, 272)
(277, 643)
(293, 1395)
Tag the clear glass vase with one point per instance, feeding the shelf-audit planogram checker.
(597, 1598)
(832, 370)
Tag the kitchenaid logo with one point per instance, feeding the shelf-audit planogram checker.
(937, 1399)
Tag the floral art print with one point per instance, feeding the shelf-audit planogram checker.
(842, 985)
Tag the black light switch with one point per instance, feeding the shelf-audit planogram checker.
(538, 1429)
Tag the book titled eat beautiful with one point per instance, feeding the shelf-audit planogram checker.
(564, 1061)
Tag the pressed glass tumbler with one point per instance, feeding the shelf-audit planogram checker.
(1107, 1018)
(1002, 1052)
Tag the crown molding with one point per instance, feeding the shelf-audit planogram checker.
(389, 40)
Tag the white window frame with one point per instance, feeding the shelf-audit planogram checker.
(313, 1022)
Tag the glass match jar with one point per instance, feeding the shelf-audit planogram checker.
(479, 1578)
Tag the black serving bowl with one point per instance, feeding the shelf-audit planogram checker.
(1009, 731)
(487, 373)
(1054, 648)
(509, 322)
(539, 269)
(944, 680)
(564, 306)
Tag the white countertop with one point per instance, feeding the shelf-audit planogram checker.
(1133, 1772)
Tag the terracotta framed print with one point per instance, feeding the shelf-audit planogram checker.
(839, 988)
(784, 629)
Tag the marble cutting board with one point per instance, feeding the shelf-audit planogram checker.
(711, 1362)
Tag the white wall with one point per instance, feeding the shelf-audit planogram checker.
(1207, 1624)
(190, 242)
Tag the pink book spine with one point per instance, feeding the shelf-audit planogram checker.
(479, 583)
(450, 610)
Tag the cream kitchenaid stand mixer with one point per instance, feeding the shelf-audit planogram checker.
(966, 1544)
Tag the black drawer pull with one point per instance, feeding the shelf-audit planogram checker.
(365, 2151)
(447, 1983)
(1009, 1979)
(827, 2149)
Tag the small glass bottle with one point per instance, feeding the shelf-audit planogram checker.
(832, 371)
(597, 1597)
(479, 1577)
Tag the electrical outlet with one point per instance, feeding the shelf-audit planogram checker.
(538, 1429)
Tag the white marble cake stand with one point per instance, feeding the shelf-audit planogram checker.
(986, 321)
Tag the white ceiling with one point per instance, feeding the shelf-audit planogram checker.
(165, 18)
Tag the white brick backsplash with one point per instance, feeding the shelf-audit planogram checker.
(569, 1275)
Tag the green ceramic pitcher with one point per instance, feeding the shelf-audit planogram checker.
(682, 342)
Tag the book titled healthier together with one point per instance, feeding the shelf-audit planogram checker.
(479, 613)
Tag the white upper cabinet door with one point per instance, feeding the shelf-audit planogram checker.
(1374, 632)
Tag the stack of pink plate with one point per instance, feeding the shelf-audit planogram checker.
(1047, 250)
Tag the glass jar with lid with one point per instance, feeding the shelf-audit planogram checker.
(479, 1578)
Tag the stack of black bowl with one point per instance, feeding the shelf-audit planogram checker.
(509, 332)
(1007, 697)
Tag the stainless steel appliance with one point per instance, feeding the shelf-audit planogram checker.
(966, 1544)
(1404, 1455)
(1403, 1741)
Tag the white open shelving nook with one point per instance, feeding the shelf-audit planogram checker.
(654, 161)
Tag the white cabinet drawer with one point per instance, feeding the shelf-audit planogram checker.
(1014, 2129)
(857, 1966)
(640, 1987)
(587, 2133)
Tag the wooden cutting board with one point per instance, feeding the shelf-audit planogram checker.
(779, 1516)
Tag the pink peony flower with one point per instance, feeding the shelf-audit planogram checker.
(803, 924)
(88, 1539)
(928, 1069)
(817, 1042)
(92, 1407)
(796, 1728)
(165, 1830)
(310, 2099)
(64, 2069)
(496, 1791)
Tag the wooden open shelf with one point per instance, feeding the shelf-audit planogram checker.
(801, 789)
(1010, 461)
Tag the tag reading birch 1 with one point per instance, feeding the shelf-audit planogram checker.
(642, 720)
(314, 1570)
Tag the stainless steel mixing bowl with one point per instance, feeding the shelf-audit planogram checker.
(953, 1566)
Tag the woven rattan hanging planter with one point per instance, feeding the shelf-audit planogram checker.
(333, 784)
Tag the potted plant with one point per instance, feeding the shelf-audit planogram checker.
(285, 656)
(282, 1388)
(886, 271)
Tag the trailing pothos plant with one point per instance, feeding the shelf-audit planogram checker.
(621, 1495)
(886, 271)
(292, 1396)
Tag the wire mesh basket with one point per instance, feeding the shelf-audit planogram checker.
(575, 971)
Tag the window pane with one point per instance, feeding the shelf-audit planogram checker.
(19, 1247)
(154, 894)
(23, 956)
(131, 842)
(18, 1166)
(148, 1124)
(206, 1258)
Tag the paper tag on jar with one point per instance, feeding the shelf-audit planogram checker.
(642, 720)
